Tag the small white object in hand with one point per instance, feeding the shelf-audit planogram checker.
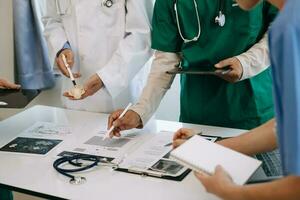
(76, 92)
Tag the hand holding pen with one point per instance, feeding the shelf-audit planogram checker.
(68, 69)
(68, 54)
(182, 135)
(130, 120)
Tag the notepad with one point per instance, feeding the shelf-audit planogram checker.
(203, 156)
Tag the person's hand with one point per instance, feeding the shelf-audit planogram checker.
(236, 69)
(91, 86)
(130, 120)
(4, 84)
(181, 136)
(70, 60)
(220, 183)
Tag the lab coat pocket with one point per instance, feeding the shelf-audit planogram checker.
(114, 17)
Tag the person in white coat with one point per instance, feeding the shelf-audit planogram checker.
(106, 42)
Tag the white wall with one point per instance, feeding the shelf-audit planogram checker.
(6, 40)
(169, 108)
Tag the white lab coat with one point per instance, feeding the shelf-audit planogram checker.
(113, 42)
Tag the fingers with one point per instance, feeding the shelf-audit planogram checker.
(66, 94)
(62, 67)
(69, 56)
(77, 75)
(92, 85)
(236, 69)
(178, 142)
(12, 86)
(130, 120)
(183, 133)
(70, 60)
(115, 115)
(8, 85)
(224, 63)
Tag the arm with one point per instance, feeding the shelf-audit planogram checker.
(256, 59)
(247, 64)
(157, 85)
(258, 140)
(221, 185)
(4, 84)
(133, 51)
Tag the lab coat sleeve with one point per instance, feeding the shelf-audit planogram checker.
(54, 30)
(157, 85)
(256, 59)
(133, 51)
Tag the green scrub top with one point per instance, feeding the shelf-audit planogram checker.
(208, 99)
(5, 194)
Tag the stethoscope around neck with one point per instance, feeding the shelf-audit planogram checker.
(220, 20)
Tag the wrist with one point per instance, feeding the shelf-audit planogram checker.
(139, 123)
(231, 192)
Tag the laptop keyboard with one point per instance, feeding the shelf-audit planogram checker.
(271, 163)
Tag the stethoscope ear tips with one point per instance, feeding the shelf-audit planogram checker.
(220, 19)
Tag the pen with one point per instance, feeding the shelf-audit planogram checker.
(69, 70)
(113, 127)
(169, 144)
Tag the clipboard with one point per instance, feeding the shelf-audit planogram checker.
(200, 71)
(164, 175)
(16, 98)
(163, 168)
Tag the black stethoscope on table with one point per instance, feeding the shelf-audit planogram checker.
(220, 20)
(77, 162)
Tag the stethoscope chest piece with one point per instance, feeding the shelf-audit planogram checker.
(108, 3)
(220, 19)
(78, 180)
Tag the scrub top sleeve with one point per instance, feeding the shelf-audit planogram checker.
(165, 36)
(133, 51)
(285, 51)
(54, 30)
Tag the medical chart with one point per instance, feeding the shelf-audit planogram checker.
(149, 153)
(38, 139)
(113, 148)
(46, 130)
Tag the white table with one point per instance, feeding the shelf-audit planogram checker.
(35, 175)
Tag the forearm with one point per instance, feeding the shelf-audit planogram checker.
(157, 85)
(286, 188)
(258, 140)
(256, 59)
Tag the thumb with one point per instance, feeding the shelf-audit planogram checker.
(224, 63)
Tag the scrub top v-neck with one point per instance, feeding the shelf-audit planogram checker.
(209, 99)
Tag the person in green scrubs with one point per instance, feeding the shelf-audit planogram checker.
(194, 37)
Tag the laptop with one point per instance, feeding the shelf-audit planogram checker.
(270, 170)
